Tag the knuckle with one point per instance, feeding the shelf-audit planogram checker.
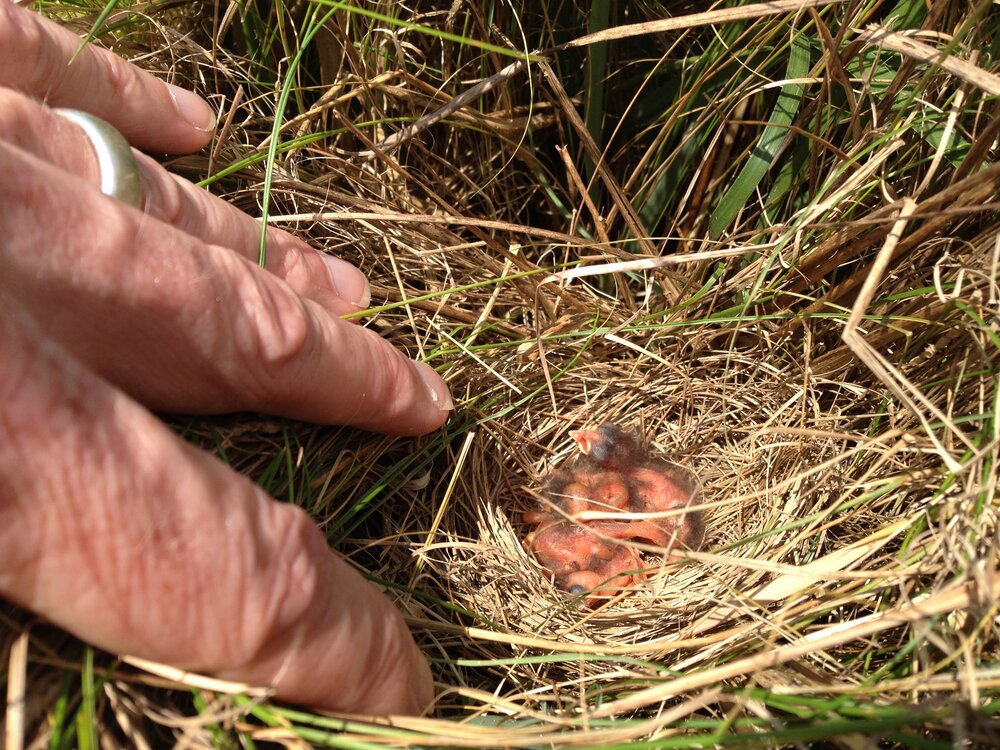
(389, 657)
(296, 263)
(119, 75)
(289, 265)
(390, 383)
(275, 340)
(391, 375)
(296, 571)
(165, 199)
(288, 590)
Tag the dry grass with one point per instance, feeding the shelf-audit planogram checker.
(846, 433)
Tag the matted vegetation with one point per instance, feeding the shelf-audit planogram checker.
(765, 237)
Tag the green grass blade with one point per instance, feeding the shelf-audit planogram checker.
(63, 729)
(770, 142)
(312, 28)
(424, 29)
(95, 29)
(597, 61)
(86, 717)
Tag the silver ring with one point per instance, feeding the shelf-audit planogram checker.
(120, 176)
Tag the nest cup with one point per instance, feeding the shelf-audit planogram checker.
(664, 568)
(772, 494)
(601, 511)
(484, 567)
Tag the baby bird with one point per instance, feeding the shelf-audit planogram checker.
(612, 495)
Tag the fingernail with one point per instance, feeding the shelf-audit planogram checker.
(349, 283)
(193, 108)
(438, 389)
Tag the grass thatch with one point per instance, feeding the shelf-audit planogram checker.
(769, 244)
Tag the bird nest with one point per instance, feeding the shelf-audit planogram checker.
(774, 496)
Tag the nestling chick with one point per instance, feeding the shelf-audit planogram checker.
(615, 493)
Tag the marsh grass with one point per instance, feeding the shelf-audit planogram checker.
(766, 239)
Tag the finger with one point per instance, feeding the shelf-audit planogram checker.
(38, 59)
(117, 531)
(334, 283)
(185, 326)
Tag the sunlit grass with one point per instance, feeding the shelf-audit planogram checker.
(769, 157)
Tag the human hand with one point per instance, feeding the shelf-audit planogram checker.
(112, 527)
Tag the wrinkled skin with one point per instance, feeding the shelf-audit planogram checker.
(110, 525)
(611, 499)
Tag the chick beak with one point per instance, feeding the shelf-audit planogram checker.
(585, 440)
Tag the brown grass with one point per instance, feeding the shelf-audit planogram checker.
(846, 436)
